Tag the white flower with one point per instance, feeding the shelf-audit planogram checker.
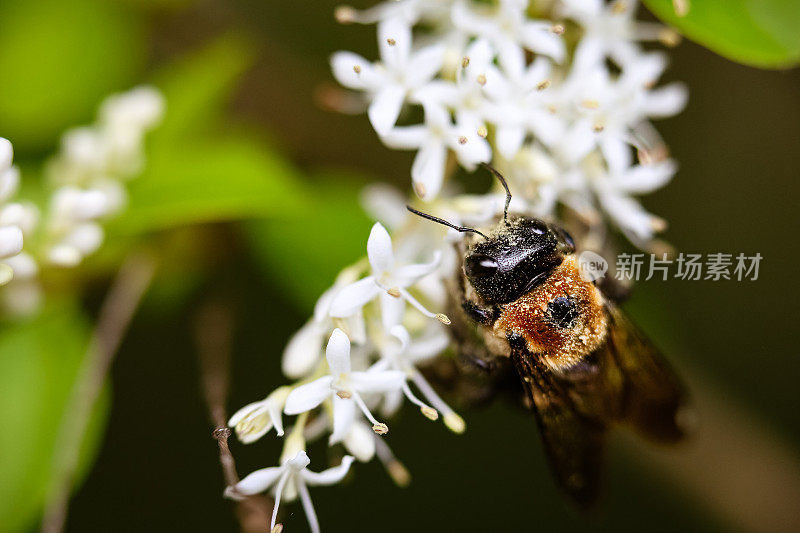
(293, 473)
(432, 140)
(508, 27)
(388, 281)
(344, 388)
(254, 420)
(409, 11)
(395, 78)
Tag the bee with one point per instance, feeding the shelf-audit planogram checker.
(583, 366)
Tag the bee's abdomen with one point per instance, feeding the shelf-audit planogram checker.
(562, 319)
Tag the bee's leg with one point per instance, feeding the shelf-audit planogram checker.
(479, 314)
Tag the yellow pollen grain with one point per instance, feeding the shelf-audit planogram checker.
(443, 318)
(391, 42)
(380, 428)
(543, 85)
(482, 132)
(343, 394)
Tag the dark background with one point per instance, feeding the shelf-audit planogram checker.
(736, 191)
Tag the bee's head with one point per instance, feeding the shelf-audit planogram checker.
(514, 259)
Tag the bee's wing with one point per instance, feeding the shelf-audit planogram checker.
(573, 441)
(652, 394)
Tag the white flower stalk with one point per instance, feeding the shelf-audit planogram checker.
(560, 108)
(344, 388)
(90, 171)
(293, 473)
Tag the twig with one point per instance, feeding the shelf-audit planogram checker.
(213, 334)
(118, 308)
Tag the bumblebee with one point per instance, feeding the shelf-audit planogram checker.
(583, 366)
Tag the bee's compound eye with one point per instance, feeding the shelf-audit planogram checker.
(480, 266)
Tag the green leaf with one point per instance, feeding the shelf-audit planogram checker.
(761, 33)
(209, 181)
(303, 251)
(39, 360)
(58, 60)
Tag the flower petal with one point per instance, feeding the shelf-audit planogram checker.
(377, 381)
(303, 351)
(424, 65)
(379, 250)
(352, 297)
(344, 415)
(509, 140)
(329, 476)
(360, 442)
(338, 353)
(394, 42)
(355, 72)
(308, 396)
(260, 480)
(427, 172)
(406, 275)
(392, 310)
(537, 37)
(385, 108)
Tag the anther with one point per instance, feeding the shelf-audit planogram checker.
(391, 42)
(380, 428)
(454, 422)
(399, 473)
(343, 394)
(590, 104)
(344, 15)
(669, 37)
(481, 79)
(419, 188)
(430, 412)
(357, 69)
(599, 127)
(619, 7)
(558, 29)
(681, 7)
(394, 291)
(277, 529)
(465, 62)
(543, 85)
(462, 140)
(482, 132)
(443, 318)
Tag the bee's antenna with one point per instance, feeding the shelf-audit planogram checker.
(462, 229)
(505, 186)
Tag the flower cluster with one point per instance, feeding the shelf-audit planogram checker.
(87, 179)
(558, 99)
(14, 216)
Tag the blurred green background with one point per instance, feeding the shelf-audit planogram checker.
(245, 139)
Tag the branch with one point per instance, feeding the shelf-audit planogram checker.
(213, 333)
(115, 316)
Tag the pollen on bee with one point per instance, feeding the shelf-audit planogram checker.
(380, 428)
(429, 412)
(443, 318)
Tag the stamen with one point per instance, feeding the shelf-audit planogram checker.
(344, 14)
(393, 292)
(669, 37)
(396, 470)
(425, 409)
(481, 79)
(681, 7)
(378, 427)
(308, 507)
(465, 62)
(599, 127)
(419, 188)
(391, 42)
(453, 422)
(443, 318)
(413, 301)
(357, 69)
(278, 492)
(619, 7)
(590, 104)
(482, 132)
(558, 29)
(462, 140)
(277, 529)
(543, 85)
(343, 394)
